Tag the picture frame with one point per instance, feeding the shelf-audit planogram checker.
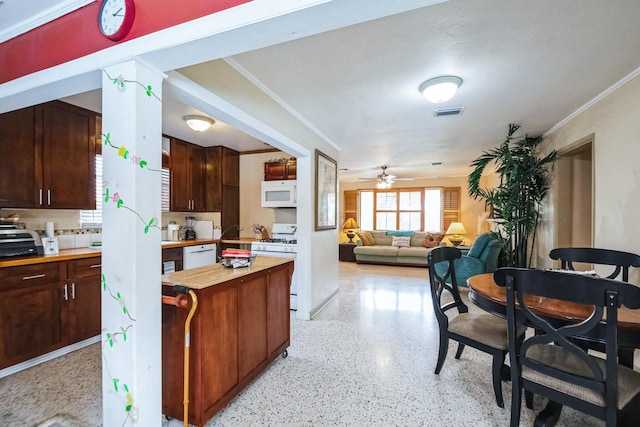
(326, 192)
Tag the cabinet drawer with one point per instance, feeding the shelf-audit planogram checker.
(85, 267)
(31, 275)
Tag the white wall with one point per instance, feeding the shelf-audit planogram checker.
(251, 176)
(616, 128)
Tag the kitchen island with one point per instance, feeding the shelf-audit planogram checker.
(240, 326)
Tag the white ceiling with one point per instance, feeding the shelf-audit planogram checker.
(532, 62)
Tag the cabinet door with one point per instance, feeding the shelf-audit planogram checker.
(292, 169)
(213, 179)
(84, 299)
(230, 213)
(278, 316)
(230, 167)
(180, 176)
(20, 159)
(274, 171)
(68, 163)
(252, 324)
(198, 160)
(33, 319)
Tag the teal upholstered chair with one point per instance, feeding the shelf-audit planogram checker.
(482, 258)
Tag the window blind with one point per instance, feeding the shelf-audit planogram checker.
(93, 218)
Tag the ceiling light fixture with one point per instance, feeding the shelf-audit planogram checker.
(440, 89)
(198, 123)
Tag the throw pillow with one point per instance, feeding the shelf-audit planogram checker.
(401, 241)
(366, 238)
(431, 240)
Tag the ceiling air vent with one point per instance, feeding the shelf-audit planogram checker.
(448, 111)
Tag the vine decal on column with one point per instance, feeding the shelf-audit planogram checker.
(117, 337)
(152, 223)
(120, 83)
(125, 154)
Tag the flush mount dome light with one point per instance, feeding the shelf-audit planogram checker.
(198, 123)
(440, 89)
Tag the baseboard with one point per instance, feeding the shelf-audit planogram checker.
(324, 303)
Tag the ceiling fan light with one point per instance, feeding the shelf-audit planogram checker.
(440, 89)
(198, 123)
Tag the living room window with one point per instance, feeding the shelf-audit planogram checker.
(417, 209)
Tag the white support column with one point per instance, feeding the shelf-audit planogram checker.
(131, 251)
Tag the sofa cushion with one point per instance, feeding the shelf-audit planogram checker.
(431, 240)
(381, 238)
(416, 239)
(366, 237)
(415, 251)
(378, 250)
(401, 241)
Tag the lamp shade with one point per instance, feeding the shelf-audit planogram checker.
(456, 228)
(350, 224)
(198, 123)
(440, 89)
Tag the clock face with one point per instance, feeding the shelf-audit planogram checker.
(116, 18)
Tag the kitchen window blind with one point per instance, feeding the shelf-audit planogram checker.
(93, 218)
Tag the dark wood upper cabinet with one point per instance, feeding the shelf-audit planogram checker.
(222, 169)
(20, 158)
(68, 163)
(187, 177)
(47, 157)
(281, 170)
(222, 186)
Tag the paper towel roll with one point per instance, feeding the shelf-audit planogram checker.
(48, 229)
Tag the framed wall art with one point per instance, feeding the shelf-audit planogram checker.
(326, 190)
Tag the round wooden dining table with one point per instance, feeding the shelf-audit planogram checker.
(486, 294)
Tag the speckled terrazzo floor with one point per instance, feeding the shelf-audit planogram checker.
(367, 359)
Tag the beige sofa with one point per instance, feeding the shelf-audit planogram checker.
(382, 251)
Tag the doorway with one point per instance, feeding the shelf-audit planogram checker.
(575, 177)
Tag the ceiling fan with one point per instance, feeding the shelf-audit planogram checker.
(385, 180)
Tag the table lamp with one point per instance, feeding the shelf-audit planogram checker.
(348, 228)
(456, 229)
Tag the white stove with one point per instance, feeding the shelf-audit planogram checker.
(282, 244)
(283, 240)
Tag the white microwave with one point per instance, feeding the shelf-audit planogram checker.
(279, 194)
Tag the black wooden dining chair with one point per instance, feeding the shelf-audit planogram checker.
(483, 331)
(621, 261)
(597, 256)
(550, 363)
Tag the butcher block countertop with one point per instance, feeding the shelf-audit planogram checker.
(210, 275)
(78, 253)
(63, 255)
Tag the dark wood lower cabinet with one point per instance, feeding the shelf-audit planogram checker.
(43, 309)
(84, 298)
(239, 328)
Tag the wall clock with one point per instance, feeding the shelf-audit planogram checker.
(115, 18)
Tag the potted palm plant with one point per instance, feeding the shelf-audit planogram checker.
(515, 201)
